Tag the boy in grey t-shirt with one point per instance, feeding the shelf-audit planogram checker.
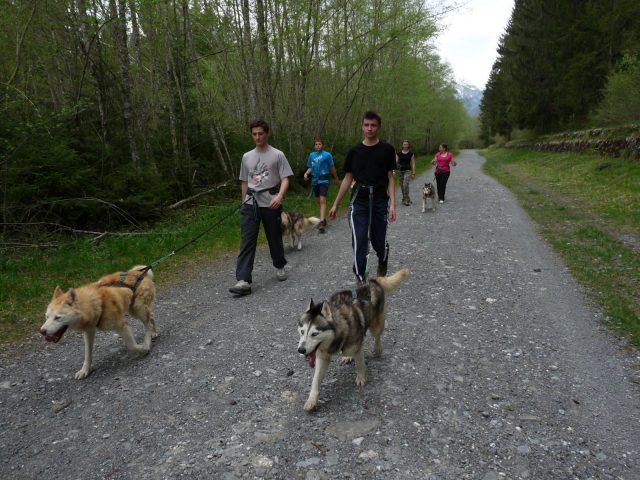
(261, 170)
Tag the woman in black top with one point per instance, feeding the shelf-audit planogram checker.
(406, 161)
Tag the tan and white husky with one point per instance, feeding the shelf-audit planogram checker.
(294, 225)
(101, 306)
(339, 324)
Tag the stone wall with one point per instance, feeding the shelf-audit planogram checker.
(609, 142)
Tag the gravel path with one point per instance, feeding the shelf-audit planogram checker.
(495, 367)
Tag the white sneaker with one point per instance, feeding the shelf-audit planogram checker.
(281, 274)
(241, 288)
(441, 201)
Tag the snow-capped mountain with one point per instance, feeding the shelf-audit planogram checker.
(470, 96)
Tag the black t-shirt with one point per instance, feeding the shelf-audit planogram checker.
(404, 160)
(370, 165)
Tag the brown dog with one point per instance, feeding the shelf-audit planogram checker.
(101, 306)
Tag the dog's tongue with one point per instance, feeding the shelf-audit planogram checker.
(53, 338)
(311, 358)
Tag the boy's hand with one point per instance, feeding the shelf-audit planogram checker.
(275, 202)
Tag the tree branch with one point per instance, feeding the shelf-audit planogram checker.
(181, 202)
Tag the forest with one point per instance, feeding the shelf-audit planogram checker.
(564, 65)
(130, 105)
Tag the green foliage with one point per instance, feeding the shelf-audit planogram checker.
(621, 102)
(27, 278)
(553, 62)
(104, 110)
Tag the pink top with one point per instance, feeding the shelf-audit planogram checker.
(442, 161)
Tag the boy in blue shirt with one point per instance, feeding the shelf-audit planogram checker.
(319, 164)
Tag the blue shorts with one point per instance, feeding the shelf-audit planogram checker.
(321, 189)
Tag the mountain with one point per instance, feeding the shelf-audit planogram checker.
(470, 96)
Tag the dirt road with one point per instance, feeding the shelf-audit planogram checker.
(495, 367)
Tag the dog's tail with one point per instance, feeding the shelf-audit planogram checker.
(389, 284)
(313, 221)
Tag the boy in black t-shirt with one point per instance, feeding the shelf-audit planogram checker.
(371, 164)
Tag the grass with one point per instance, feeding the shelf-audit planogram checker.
(591, 217)
(27, 278)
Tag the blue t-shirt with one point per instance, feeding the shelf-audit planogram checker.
(320, 163)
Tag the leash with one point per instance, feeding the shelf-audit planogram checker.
(252, 195)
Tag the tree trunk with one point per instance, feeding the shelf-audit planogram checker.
(123, 60)
(168, 61)
(92, 55)
(249, 60)
(140, 91)
(266, 99)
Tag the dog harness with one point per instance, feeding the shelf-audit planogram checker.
(134, 287)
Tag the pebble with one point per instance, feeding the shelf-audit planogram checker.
(368, 455)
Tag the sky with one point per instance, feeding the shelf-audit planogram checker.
(469, 39)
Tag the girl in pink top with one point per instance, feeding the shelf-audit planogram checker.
(442, 160)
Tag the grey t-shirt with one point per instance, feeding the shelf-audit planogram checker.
(263, 170)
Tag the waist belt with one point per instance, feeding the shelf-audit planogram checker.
(254, 196)
(323, 177)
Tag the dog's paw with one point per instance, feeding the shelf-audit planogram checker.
(310, 405)
(82, 373)
(347, 359)
(299, 246)
(360, 380)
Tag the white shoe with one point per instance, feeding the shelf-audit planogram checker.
(281, 274)
(241, 288)
(441, 201)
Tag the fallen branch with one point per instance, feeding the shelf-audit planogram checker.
(29, 245)
(181, 202)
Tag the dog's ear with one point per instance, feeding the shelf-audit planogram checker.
(326, 311)
(310, 305)
(57, 292)
(73, 296)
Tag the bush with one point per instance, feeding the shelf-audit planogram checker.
(621, 101)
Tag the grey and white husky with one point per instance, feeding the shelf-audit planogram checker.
(429, 193)
(339, 324)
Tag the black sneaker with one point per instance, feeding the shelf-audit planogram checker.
(362, 291)
(322, 226)
(382, 269)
